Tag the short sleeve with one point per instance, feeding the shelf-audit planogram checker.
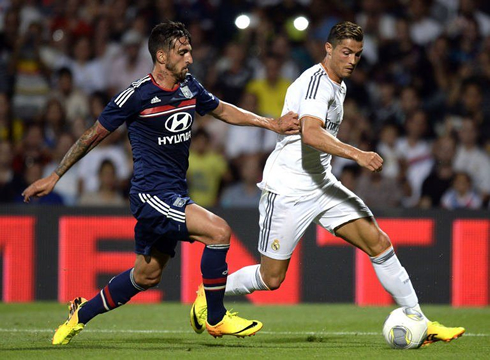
(121, 107)
(315, 103)
(205, 101)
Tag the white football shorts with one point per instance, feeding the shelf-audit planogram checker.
(285, 218)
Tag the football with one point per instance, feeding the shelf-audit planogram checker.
(405, 328)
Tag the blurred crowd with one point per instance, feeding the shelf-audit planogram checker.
(420, 95)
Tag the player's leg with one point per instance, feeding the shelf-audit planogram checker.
(145, 274)
(365, 234)
(214, 233)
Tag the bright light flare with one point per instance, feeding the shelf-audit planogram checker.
(242, 22)
(301, 23)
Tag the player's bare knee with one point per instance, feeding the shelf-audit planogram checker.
(147, 281)
(383, 243)
(222, 234)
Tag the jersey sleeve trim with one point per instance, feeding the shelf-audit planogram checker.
(124, 96)
(314, 84)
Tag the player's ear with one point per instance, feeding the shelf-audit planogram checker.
(328, 49)
(161, 57)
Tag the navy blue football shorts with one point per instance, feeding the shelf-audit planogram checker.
(161, 222)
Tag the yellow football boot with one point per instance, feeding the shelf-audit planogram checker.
(70, 327)
(439, 332)
(231, 324)
(199, 311)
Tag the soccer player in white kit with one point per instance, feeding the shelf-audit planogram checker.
(299, 187)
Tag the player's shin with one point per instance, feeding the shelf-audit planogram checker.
(245, 281)
(118, 292)
(395, 279)
(214, 271)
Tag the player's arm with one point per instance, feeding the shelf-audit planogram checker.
(90, 139)
(231, 114)
(313, 134)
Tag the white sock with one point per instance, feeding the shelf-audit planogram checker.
(395, 279)
(245, 281)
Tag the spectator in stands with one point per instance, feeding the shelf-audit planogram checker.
(387, 149)
(207, 170)
(74, 101)
(11, 127)
(108, 193)
(378, 191)
(270, 92)
(88, 72)
(233, 73)
(423, 28)
(69, 185)
(130, 64)
(10, 182)
(32, 149)
(415, 153)
(442, 174)
(461, 195)
(31, 86)
(349, 176)
(244, 140)
(470, 158)
(244, 193)
(53, 120)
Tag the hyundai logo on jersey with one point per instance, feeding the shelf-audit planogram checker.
(179, 122)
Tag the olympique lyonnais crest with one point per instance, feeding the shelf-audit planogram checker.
(186, 91)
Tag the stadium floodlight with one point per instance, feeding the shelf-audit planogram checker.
(242, 21)
(301, 23)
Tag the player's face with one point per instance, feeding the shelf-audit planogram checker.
(344, 58)
(179, 59)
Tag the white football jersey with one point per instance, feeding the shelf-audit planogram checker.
(294, 168)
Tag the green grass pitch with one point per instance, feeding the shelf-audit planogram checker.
(333, 331)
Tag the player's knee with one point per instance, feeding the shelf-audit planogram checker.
(222, 234)
(383, 243)
(147, 281)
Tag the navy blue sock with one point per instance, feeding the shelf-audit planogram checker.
(214, 273)
(118, 292)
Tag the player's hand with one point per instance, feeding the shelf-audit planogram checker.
(370, 160)
(40, 187)
(288, 124)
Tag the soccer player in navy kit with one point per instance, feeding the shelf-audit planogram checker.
(159, 111)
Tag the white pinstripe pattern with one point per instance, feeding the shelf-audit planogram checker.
(168, 111)
(163, 208)
(103, 300)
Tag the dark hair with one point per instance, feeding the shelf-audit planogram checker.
(345, 30)
(163, 35)
(65, 71)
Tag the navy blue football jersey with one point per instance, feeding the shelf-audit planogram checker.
(159, 123)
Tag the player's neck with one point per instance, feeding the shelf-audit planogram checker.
(331, 74)
(163, 78)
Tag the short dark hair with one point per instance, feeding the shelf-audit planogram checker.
(163, 35)
(345, 30)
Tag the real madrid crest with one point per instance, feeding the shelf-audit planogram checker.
(186, 91)
(275, 245)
